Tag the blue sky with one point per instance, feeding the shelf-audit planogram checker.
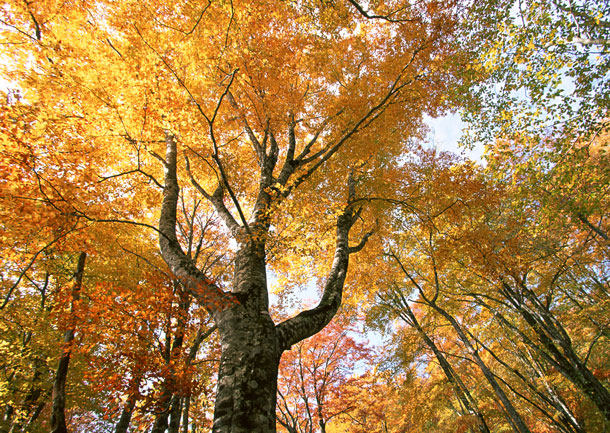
(445, 133)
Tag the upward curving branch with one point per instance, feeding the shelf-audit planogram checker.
(312, 321)
(309, 162)
(207, 293)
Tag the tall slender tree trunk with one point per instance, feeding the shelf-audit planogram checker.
(35, 415)
(126, 414)
(58, 416)
(565, 413)
(558, 345)
(18, 423)
(551, 396)
(462, 392)
(7, 418)
(186, 407)
(174, 414)
(130, 404)
(512, 415)
(172, 351)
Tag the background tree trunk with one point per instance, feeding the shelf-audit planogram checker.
(58, 416)
(400, 304)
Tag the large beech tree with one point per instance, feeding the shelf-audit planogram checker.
(276, 114)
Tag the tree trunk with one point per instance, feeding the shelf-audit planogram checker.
(247, 379)
(462, 392)
(7, 417)
(512, 415)
(19, 422)
(185, 414)
(251, 344)
(559, 349)
(58, 416)
(160, 424)
(551, 397)
(132, 399)
(174, 414)
(126, 414)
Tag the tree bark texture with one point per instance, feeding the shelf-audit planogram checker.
(58, 416)
(251, 343)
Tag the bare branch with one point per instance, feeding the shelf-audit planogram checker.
(137, 170)
(258, 148)
(387, 17)
(31, 263)
(113, 47)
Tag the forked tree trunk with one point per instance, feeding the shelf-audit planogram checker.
(251, 351)
(251, 344)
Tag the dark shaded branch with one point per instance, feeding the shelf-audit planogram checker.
(370, 15)
(242, 117)
(401, 305)
(113, 47)
(199, 19)
(30, 264)
(326, 153)
(216, 154)
(588, 223)
(58, 416)
(36, 26)
(362, 243)
(137, 170)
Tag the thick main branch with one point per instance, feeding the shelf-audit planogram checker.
(207, 293)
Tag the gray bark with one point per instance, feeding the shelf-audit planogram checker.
(512, 416)
(174, 414)
(551, 396)
(185, 414)
(556, 344)
(251, 343)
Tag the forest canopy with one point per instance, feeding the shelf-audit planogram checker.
(227, 216)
